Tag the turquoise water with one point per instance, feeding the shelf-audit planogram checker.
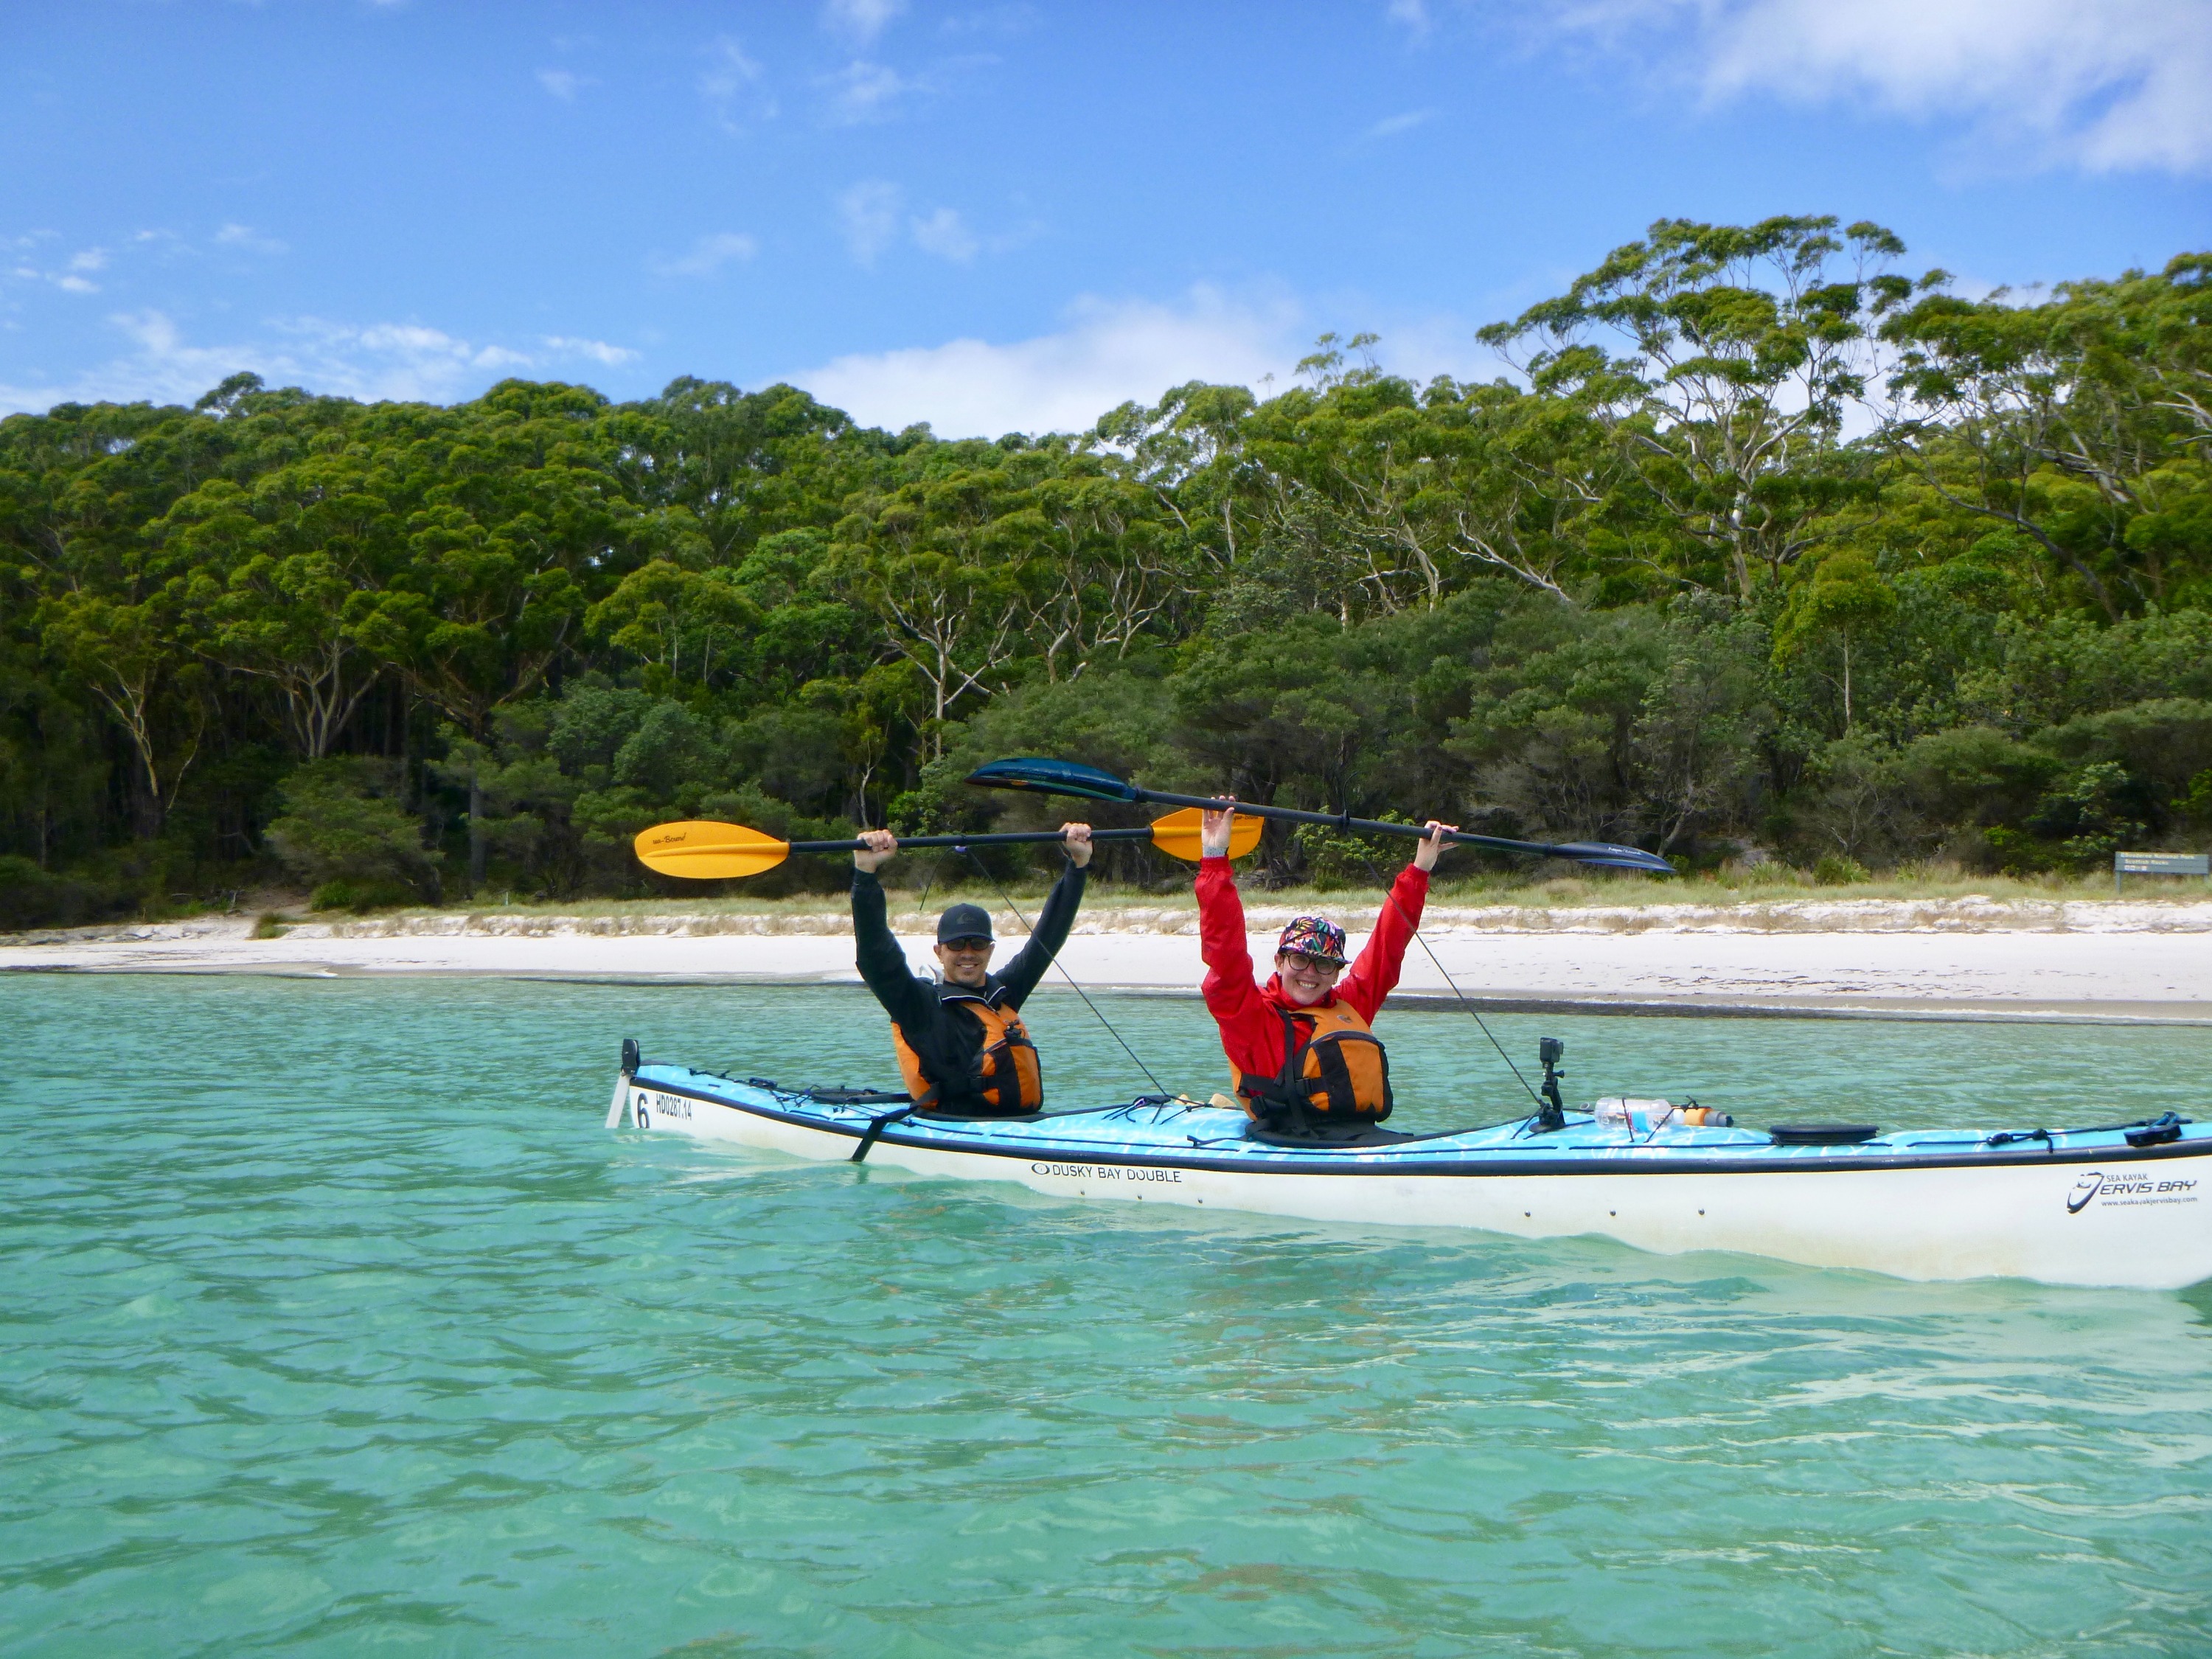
(335, 1322)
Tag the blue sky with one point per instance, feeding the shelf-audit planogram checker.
(996, 216)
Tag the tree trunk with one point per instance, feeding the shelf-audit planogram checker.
(476, 833)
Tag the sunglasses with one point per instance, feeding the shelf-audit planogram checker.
(971, 945)
(1313, 964)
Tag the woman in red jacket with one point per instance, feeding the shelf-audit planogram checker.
(1301, 1058)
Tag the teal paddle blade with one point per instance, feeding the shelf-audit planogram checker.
(1052, 777)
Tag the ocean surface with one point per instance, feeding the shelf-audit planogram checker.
(334, 1322)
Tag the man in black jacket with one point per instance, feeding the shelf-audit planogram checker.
(961, 1046)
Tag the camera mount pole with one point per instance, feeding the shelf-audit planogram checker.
(1553, 1113)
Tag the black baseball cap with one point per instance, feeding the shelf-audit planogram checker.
(964, 921)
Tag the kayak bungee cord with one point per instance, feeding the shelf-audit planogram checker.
(1158, 1085)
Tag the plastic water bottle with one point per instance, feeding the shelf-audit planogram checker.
(1639, 1117)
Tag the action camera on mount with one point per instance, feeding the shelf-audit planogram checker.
(1552, 1113)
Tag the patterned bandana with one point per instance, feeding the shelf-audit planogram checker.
(1313, 936)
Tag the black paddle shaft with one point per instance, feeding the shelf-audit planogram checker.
(1005, 838)
(1058, 777)
(1587, 853)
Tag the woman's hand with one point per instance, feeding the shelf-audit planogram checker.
(1078, 836)
(880, 845)
(1214, 826)
(1431, 844)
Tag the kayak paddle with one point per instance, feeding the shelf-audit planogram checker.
(1059, 777)
(701, 849)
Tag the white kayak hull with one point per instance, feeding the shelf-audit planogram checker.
(2088, 1215)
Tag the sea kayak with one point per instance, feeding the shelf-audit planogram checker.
(2124, 1206)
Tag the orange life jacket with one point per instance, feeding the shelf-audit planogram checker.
(1006, 1078)
(1340, 1072)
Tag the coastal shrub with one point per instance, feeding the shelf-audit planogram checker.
(1854, 801)
(2020, 853)
(342, 823)
(1835, 869)
(2165, 743)
(32, 897)
(1975, 775)
(359, 896)
(2196, 803)
(1335, 861)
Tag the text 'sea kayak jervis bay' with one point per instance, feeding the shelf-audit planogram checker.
(2123, 1207)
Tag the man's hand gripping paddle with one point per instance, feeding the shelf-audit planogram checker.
(1059, 777)
(699, 850)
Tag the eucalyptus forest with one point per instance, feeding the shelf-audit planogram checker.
(1755, 547)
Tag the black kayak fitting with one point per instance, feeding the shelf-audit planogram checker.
(875, 1130)
(2157, 1132)
(1822, 1134)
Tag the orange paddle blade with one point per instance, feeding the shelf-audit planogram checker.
(702, 850)
(1178, 834)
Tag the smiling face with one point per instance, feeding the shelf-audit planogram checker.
(1306, 980)
(966, 962)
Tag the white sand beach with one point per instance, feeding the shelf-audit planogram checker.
(2130, 960)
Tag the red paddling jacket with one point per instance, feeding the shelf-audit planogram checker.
(1250, 1016)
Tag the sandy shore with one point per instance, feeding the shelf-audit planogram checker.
(1954, 959)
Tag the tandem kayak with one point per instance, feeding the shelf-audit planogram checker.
(2125, 1206)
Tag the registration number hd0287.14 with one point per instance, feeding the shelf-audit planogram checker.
(645, 1103)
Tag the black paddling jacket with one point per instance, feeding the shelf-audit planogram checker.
(946, 1040)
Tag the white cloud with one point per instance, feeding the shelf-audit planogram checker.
(2106, 85)
(1391, 126)
(729, 70)
(1412, 15)
(707, 255)
(1063, 382)
(1014, 17)
(864, 91)
(946, 235)
(71, 275)
(405, 361)
(869, 214)
(860, 21)
(563, 84)
(873, 217)
(243, 236)
(613, 356)
(729, 80)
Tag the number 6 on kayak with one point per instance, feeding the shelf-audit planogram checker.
(701, 849)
